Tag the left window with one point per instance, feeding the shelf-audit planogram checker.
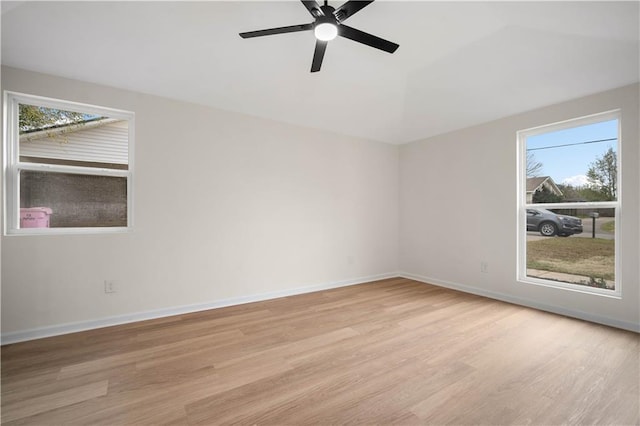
(68, 167)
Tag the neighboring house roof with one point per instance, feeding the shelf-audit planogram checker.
(535, 183)
(99, 141)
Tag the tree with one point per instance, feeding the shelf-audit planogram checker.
(570, 192)
(534, 167)
(544, 195)
(589, 194)
(39, 118)
(603, 173)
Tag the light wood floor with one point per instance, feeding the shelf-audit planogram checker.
(392, 351)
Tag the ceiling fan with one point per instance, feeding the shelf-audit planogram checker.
(328, 25)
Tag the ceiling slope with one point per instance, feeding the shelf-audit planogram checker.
(459, 63)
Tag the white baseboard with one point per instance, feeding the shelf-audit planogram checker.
(612, 322)
(56, 330)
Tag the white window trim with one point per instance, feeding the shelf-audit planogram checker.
(521, 222)
(12, 165)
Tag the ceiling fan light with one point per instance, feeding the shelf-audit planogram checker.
(325, 31)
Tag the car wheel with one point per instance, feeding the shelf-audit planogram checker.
(548, 229)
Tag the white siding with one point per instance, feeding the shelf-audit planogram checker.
(101, 144)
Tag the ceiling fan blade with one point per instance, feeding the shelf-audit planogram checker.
(280, 30)
(313, 7)
(366, 38)
(321, 46)
(350, 8)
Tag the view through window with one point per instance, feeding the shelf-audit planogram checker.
(569, 203)
(69, 165)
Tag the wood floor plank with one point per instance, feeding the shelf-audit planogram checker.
(131, 357)
(388, 352)
(31, 406)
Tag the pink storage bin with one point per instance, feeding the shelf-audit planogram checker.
(35, 217)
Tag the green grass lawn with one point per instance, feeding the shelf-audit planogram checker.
(609, 226)
(591, 257)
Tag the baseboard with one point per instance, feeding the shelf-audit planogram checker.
(612, 322)
(56, 330)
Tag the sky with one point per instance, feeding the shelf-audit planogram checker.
(569, 164)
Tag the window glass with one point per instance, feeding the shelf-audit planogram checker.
(578, 164)
(57, 136)
(586, 258)
(74, 200)
(569, 204)
(69, 166)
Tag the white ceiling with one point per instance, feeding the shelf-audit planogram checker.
(459, 63)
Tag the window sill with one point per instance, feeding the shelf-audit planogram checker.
(69, 231)
(578, 288)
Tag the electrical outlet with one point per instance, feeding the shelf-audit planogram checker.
(109, 286)
(484, 267)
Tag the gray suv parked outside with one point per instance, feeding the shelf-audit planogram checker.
(549, 223)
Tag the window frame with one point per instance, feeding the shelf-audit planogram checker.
(522, 205)
(12, 166)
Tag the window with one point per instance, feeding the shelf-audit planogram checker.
(68, 167)
(569, 204)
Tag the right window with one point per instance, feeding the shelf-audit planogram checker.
(569, 204)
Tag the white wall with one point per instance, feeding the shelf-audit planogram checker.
(227, 208)
(267, 208)
(458, 208)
